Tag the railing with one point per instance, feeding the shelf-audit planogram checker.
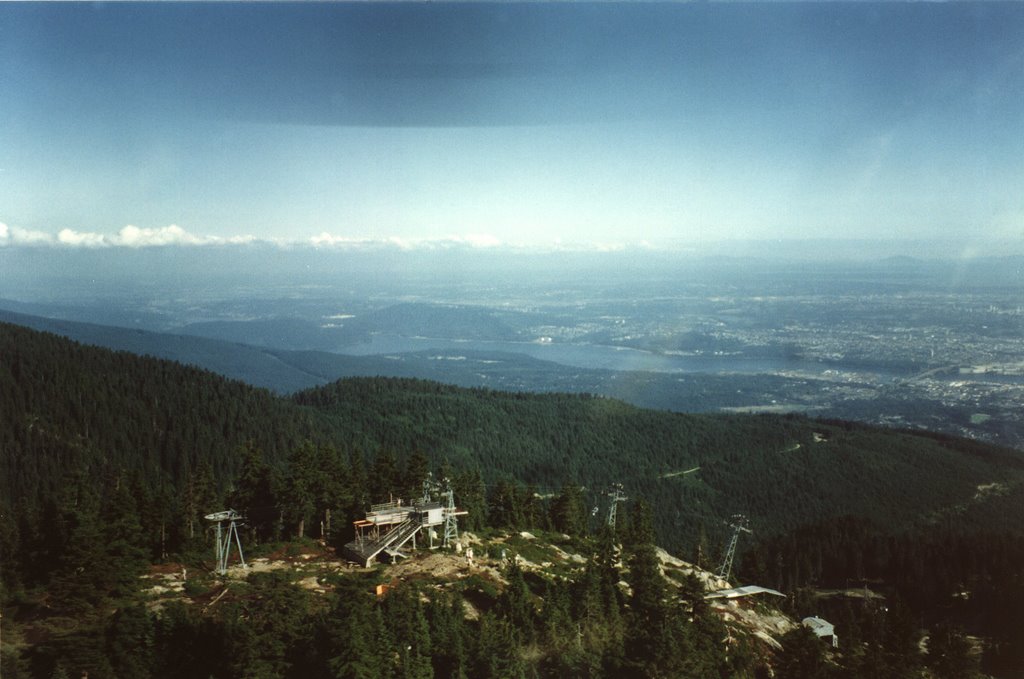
(394, 537)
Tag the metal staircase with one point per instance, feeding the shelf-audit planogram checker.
(365, 551)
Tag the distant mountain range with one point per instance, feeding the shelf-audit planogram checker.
(285, 371)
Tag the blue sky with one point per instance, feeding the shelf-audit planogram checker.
(525, 124)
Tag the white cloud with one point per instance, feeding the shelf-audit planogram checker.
(136, 237)
(81, 239)
(128, 237)
(326, 239)
(330, 240)
(13, 235)
(480, 240)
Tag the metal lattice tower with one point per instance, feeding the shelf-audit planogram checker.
(223, 546)
(739, 524)
(616, 497)
(429, 486)
(451, 525)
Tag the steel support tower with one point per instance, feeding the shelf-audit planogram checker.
(451, 524)
(223, 545)
(739, 524)
(616, 496)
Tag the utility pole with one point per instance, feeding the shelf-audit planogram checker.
(739, 524)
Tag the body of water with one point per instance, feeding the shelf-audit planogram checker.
(603, 357)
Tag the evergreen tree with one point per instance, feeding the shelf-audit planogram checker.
(254, 495)
(569, 512)
(702, 556)
(186, 644)
(802, 656)
(649, 646)
(263, 632)
(302, 485)
(80, 581)
(949, 653)
(645, 577)
(532, 509)
(385, 480)
(13, 663)
(515, 604)
(359, 645)
(200, 498)
(410, 633)
(496, 653)
(471, 494)
(124, 557)
(447, 634)
(130, 643)
(503, 506)
(76, 651)
(416, 468)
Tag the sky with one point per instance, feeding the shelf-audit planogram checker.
(524, 124)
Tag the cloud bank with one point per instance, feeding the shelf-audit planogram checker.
(134, 237)
(1008, 241)
(13, 235)
(128, 237)
(328, 240)
(137, 237)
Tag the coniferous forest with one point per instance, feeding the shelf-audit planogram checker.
(110, 461)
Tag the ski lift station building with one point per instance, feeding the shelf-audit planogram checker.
(390, 526)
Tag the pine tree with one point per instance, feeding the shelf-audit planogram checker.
(254, 495)
(802, 656)
(410, 633)
(472, 496)
(503, 506)
(302, 482)
(359, 645)
(447, 634)
(200, 497)
(515, 604)
(568, 511)
(648, 646)
(124, 556)
(416, 468)
(263, 632)
(496, 652)
(130, 643)
(949, 653)
(385, 481)
(80, 581)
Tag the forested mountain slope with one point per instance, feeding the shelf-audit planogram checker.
(67, 407)
(108, 461)
(783, 471)
(251, 364)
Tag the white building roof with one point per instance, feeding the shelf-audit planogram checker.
(820, 627)
(738, 592)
